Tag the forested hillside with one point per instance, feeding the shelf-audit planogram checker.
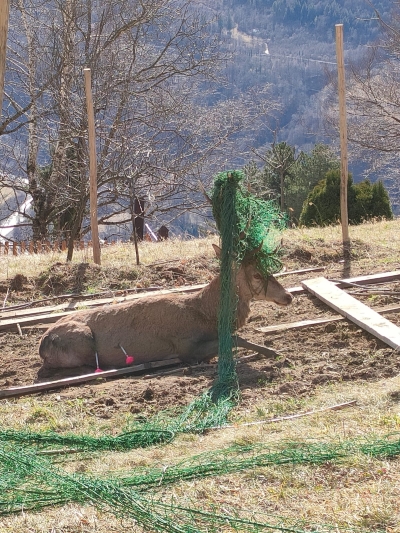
(182, 90)
(291, 45)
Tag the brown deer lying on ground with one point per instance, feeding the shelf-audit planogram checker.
(154, 328)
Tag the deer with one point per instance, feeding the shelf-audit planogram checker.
(155, 327)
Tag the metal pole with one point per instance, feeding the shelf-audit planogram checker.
(344, 172)
(92, 167)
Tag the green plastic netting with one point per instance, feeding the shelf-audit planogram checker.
(29, 480)
(248, 227)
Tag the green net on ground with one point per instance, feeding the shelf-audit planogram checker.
(32, 481)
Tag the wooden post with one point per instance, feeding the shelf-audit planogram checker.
(92, 167)
(4, 16)
(344, 172)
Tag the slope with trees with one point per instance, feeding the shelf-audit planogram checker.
(181, 91)
(155, 65)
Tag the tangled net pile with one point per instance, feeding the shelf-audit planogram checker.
(31, 479)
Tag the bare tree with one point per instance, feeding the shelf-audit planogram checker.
(159, 121)
(373, 104)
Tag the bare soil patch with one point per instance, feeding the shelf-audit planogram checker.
(310, 357)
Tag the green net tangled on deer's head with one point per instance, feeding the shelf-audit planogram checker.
(255, 225)
(249, 230)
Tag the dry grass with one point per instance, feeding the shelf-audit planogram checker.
(357, 492)
(117, 256)
(381, 236)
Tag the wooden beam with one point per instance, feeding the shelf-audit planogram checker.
(60, 310)
(344, 171)
(384, 277)
(92, 167)
(301, 324)
(263, 350)
(354, 310)
(300, 271)
(67, 382)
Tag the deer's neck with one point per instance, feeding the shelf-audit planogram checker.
(209, 299)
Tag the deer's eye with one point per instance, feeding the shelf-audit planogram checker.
(258, 276)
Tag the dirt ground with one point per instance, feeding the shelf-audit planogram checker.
(309, 357)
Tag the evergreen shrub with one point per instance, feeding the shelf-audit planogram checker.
(365, 201)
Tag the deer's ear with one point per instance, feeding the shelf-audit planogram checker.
(217, 251)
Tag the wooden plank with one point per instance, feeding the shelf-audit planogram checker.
(357, 312)
(384, 277)
(318, 321)
(67, 382)
(7, 325)
(300, 271)
(263, 350)
(298, 325)
(12, 317)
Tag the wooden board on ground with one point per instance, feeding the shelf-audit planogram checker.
(301, 324)
(50, 314)
(299, 271)
(354, 310)
(75, 304)
(67, 382)
(384, 277)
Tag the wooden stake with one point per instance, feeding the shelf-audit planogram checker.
(4, 16)
(344, 172)
(336, 407)
(92, 166)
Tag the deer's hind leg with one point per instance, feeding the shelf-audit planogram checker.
(67, 345)
(200, 350)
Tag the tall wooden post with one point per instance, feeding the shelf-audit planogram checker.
(4, 16)
(92, 167)
(344, 171)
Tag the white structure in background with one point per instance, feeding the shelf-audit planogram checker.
(266, 49)
(151, 233)
(7, 226)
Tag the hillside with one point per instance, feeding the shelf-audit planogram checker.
(299, 37)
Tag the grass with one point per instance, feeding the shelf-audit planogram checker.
(119, 256)
(383, 237)
(357, 491)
